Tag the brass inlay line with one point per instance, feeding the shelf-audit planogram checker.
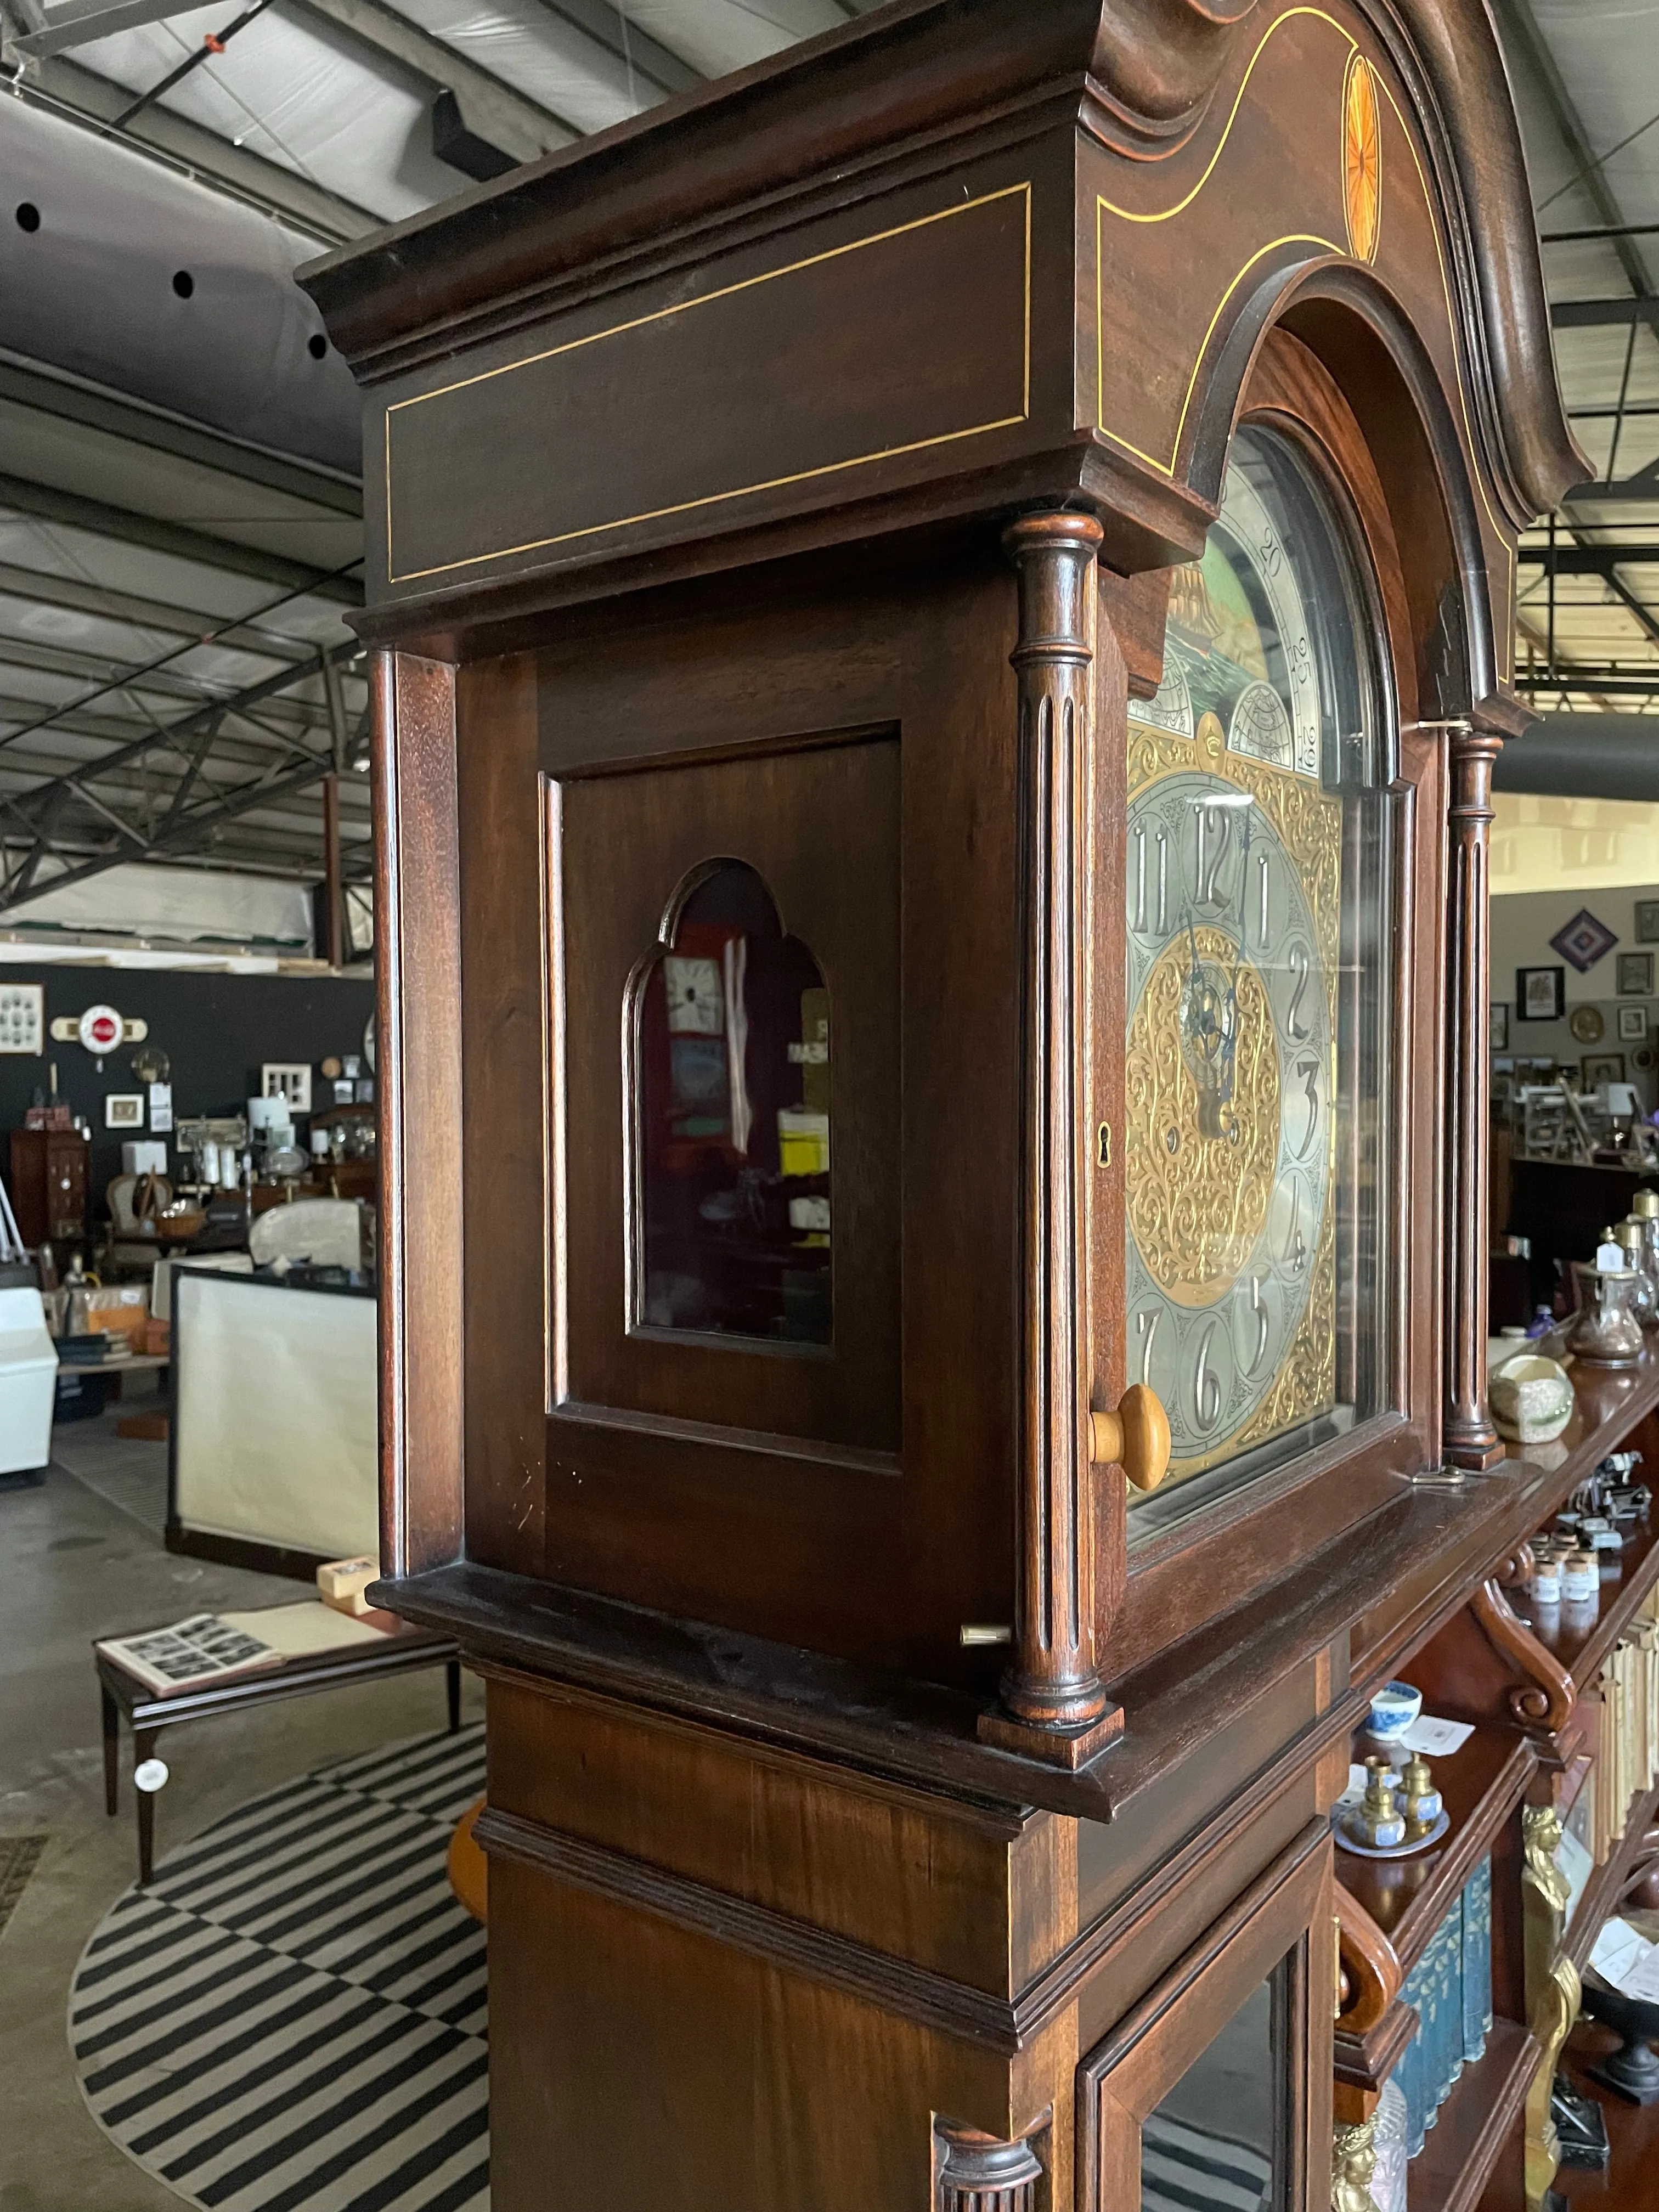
(1167, 468)
(1163, 214)
(685, 306)
(1103, 207)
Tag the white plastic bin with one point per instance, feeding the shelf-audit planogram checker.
(29, 1383)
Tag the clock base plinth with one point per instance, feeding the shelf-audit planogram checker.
(1057, 1746)
(1478, 1454)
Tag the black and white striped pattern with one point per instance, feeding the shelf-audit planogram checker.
(1188, 2169)
(291, 2018)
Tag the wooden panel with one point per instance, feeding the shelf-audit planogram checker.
(896, 333)
(419, 1072)
(634, 2064)
(901, 1871)
(820, 828)
(504, 1251)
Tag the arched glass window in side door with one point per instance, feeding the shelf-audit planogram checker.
(727, 1085)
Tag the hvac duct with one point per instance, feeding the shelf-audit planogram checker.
(1584, 756)
(117, 269)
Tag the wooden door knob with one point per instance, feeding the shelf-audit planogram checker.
(1136, 1437)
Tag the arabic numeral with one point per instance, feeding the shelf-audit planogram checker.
(1301, 659)
(1296, 1245)
(1206, 1383)
(1308, 1070)
(1259, 1313)
(1272, 553)
(1214, 832)
(1146, 1329)
(1301, 967)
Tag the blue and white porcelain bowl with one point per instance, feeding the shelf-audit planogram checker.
(1394, 1708)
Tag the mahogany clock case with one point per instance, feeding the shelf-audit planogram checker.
(845, 734)
(841, 720)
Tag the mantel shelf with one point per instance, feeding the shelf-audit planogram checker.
(1482, 1783)
(1583, 1649)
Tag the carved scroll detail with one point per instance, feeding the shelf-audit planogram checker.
(1353, 2162)
(978, 2172)
(1055, 1702)
(1544, 1703)
(1371, 1970)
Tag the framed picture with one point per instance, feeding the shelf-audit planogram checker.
(1539, 993)
(124, 1110)
(1632, 1023)
(1499, 1038)
(289, 1079)
(1601, 1067)
(1647, 922)
(1636, 974)
(23, 1017)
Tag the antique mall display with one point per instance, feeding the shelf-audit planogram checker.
(944, 610)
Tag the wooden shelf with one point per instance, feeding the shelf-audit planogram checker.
(1450, 2171)
(1583, 1646)
(1481, 1785)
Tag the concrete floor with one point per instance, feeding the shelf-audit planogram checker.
(82, 1557)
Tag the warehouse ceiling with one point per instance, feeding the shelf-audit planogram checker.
(178, 546)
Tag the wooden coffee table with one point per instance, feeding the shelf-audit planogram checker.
(147, 1713)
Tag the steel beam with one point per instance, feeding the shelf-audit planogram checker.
(93, 406)
(1587, 560)
(156, 535)
(608, 28)
(1604, 314)
(149, 614)
(490, 109)
(1516, 17)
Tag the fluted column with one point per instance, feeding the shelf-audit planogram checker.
(1469, 1437)
(1054, 1701)
(981, 2174)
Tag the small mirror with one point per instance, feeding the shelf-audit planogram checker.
(729, 1091)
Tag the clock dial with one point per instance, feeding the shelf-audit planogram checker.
(1256, 876)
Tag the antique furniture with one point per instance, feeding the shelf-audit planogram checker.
(49, 1186)
(147, 1713)
(957, 588)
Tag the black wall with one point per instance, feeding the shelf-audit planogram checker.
(216, 1030)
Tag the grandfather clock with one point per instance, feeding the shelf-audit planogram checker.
(945, 609)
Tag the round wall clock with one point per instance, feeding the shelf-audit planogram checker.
(1258, 878)
(1587, 1024)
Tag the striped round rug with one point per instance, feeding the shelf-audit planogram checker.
(291, 2018)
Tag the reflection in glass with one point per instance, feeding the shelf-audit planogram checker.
(1261, 869)
(730, 1081)
(1216, 2139)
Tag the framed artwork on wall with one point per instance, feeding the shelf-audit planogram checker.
(1499, 1037)
(1647, 922)
(23, 1018)
(1636, 974)
(124, 1110)
(1586, 1025)
(1539, 993)
(1632, 1022)
(1583, 940)
(1601, 1067)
